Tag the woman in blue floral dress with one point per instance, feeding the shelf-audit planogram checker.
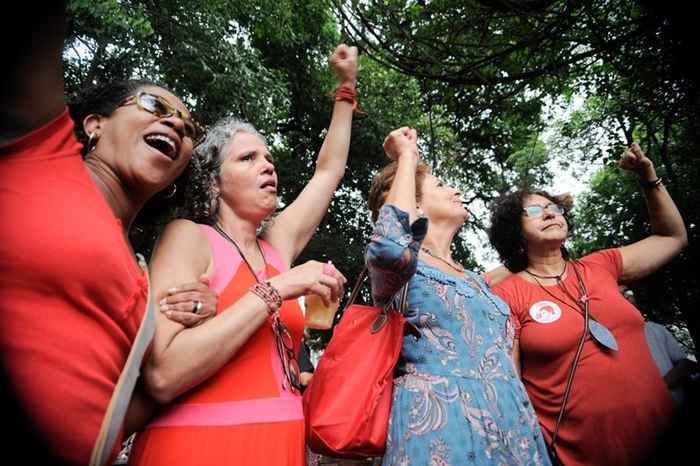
(458, 399)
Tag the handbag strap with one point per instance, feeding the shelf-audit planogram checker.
(570, 378)
(382, 317)
(387, 306)
(121, 396)
(356, 288)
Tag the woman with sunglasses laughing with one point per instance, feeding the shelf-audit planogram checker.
(71, 183)
(233, 382)
(617, 404)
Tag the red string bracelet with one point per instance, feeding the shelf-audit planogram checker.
(347, 94)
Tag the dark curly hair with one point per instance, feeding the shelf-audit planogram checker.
(102, 99)
(506, 233)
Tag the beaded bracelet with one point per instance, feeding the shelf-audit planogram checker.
(269, 295)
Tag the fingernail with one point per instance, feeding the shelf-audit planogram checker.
(163, 307)
(172, 290)
(162, 301)
(169, 313)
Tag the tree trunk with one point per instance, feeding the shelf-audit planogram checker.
(663, 150)
(94, 65)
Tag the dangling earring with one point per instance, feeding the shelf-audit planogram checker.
(92, 141)
(213, 204)
(419, 211)
(171, 193)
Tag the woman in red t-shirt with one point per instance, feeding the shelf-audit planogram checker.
(72, 295)
(618, 404)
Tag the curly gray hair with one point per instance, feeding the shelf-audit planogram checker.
(201, 203)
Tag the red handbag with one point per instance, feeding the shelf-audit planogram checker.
(347, 403)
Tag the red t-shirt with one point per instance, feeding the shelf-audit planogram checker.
(71, 294)
(619, 404)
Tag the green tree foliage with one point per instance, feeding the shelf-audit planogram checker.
(476, 79)
(493, 64)
(639, 93)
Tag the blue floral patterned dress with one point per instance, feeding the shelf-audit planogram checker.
(458, 400)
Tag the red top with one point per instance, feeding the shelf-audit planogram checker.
(71, 294)
(619, 403)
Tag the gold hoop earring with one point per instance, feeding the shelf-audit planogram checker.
(92, 141)
(171, 193)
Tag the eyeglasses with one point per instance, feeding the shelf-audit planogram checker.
(285, 349)
(535, 210)
(160, 107)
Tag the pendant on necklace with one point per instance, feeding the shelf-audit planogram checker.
(599, 332)
(602, 335)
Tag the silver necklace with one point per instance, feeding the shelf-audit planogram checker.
(459, 269)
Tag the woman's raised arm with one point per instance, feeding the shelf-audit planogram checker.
(668, 236)
(295, 226)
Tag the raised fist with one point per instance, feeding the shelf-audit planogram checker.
(344, 63)
(634, 160)
(401, 142)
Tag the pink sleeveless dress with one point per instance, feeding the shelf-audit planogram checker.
(242, 415)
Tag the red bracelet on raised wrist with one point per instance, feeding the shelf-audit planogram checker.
(348, 94)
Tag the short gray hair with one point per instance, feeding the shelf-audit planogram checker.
(219, 137)
(202, 202)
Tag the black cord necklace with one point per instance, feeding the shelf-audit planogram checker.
(221, 231)
(459, 269)
(562, 286)
(549, 277)
(598, 331)
(278, 327)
